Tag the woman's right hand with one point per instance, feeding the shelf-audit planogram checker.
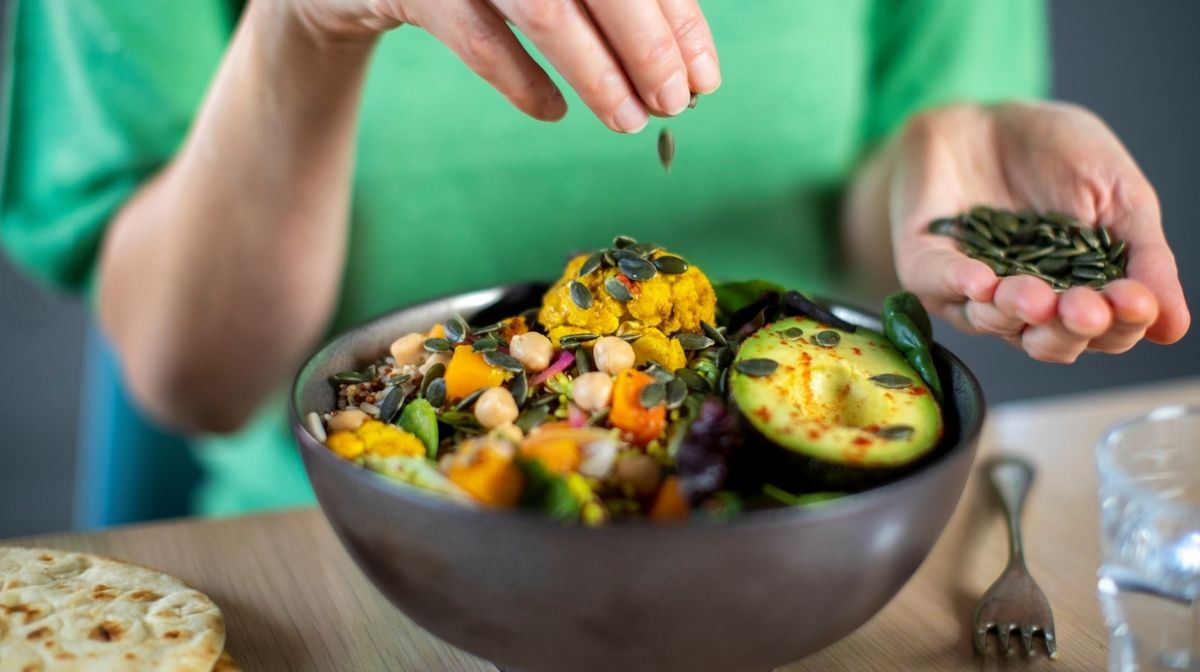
(627, 60)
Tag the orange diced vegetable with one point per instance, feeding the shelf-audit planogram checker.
(670, 503)
(645, 424)
(513, 326)
(492, 478)
(438, 331)
(468, 371)
(558, 455)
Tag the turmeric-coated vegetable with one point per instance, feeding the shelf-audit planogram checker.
(468, 371)
(670, 503)
(490, 476)
(645, 424)
(374, 438)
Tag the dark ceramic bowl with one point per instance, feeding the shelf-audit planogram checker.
(760, 590)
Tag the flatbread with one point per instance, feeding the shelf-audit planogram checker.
(74, 612)
(225, 664)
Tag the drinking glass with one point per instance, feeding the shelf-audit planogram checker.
(1149, 580)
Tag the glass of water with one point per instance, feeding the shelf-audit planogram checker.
(1150, 540)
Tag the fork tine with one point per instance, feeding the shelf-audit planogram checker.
(1027, 639)
(1002, 632)
(1051, 643)
(981, 637)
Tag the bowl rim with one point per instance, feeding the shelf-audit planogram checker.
(782, 516)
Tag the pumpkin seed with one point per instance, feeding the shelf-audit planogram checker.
(977, 240)
(724, 357)
(713, 333)
(644, 250)
(793, 333)
(519, 388)
(693, 101)
(1087, 273)
(758, 367)
(1089, 256)
(653, 394)
(433, 373)
(630, 338)
(622, 242)
(350, 378)
(690, 341)
(532, 418)
(978, 227)
(590, 264)
(456, 329)
(1052, 266)
(692, 380)
(982, 213)
(575, 340)
(617, 289)
(666, 148)
(1036, 253)
(485, 344)
(671, 265)
(435, 393)
(502, 360)
(583, 361)
(1062, 219)
(488, 328)
(1089, 236)
(892, 381)
(944, 226)
(1106, 239)
(468, 400)
(438, 345)
(598, 418)
(1113, 272)
(638, 270)
(630, 252)
(392, 402)
(677, 392)
(1006, 222)
(827, 339)
(894, 432)
(580, 294)
(1116, 251)
(658, 372)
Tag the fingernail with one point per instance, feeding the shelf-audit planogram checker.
(674, 96)
(706, 77)
(631, 117)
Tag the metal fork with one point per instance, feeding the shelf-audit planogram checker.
(1014, 602)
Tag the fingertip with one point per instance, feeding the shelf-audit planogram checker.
(554, 106)
(1132, 302)
(1084, 312)
(704, 74)
(1026, 298)
(973, 279)
(1171, 325)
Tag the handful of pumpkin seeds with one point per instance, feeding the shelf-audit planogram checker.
(1052, 246)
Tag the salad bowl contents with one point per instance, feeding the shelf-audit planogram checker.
(636, 468)
(633, 391)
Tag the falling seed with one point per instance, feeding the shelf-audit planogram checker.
(666, 148)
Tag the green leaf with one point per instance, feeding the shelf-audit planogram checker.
(420, 420)
(733, 296)
(547, 492)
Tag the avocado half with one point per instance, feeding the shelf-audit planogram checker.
(848, 404)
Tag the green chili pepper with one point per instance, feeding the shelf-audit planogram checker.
(907, 326)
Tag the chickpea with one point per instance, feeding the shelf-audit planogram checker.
(592, 391)
(496, 407)
(442, 358)
(613, 355)
(408, 350)
(533, 350)
(640, 471)
(347, 421)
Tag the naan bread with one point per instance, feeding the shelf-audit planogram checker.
(225, 664)
(73, 612)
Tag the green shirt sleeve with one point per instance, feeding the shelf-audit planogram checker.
(99, 94)
(935, 52)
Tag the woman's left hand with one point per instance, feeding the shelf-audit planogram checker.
(1035, 156)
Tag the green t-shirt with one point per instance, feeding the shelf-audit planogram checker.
(454, 189)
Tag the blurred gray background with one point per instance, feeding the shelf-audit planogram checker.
(1135, 64)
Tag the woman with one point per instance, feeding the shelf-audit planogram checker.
(224, 223)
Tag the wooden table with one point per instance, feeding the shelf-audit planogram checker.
(294, 601)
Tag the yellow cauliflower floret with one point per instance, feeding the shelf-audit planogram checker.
(375, 438)
(669, 303)
(656, 346)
